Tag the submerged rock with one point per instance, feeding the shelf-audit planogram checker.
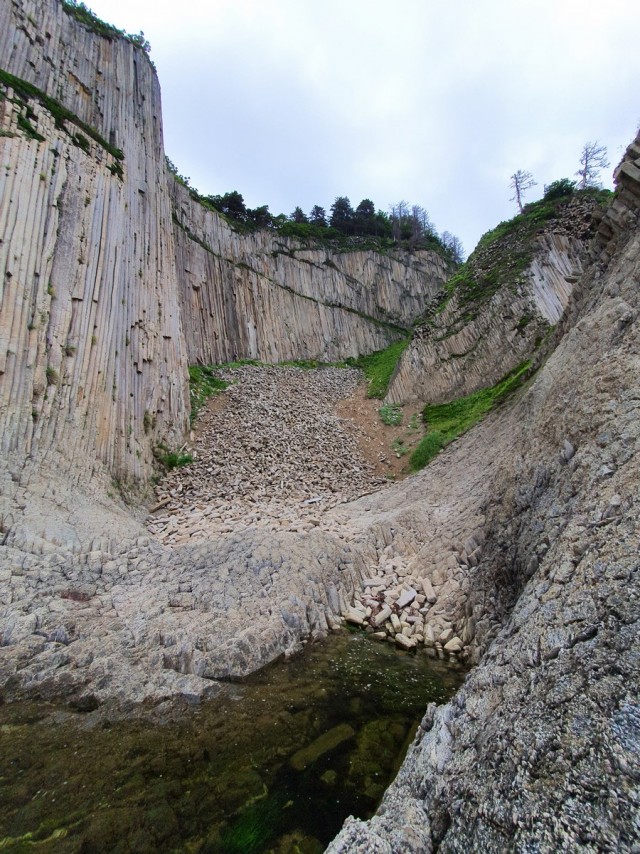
(326, 742)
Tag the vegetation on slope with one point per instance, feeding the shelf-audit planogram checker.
(203, 383)
(504, 253)
(379, 367)
(446, 421)
(25, 91)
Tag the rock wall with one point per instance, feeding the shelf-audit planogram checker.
(268, 297)
(539, 749)
(113, 279)
(92, 358)
(470, 344)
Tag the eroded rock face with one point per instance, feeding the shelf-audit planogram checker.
(264, 296)
(539, 749)
(112, 279)
(89, 323)
(130, 621)
(471, 343)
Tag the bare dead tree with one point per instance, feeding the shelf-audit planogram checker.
(593, 158)
(521, 181)
(454, 245)
(399, 213)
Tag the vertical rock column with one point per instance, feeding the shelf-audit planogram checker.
(92, 358)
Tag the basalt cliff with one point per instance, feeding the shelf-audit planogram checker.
(520, 539)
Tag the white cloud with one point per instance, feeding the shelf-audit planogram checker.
(434, 101)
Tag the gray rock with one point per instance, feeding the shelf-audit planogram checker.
(406, 597)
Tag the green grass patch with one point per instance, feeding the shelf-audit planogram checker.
(390, 415)
(171, 459)
(203, 383)
(428, 447)
(446, 421)
(379, 366)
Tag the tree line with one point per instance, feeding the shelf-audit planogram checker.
(404, 226)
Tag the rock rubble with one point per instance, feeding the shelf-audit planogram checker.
(268, 453)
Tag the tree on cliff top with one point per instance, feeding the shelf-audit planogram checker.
(342, 214)
(318, 216)
(521, 181)
(593, 158)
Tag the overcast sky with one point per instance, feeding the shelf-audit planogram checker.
(438, 102)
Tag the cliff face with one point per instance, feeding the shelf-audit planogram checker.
(480, 331)
(526, 528)
(107, 266)
(92, 359)
(538, 751)
(272, 298)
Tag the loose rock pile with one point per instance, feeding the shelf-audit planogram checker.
(269, 453)
(397, 610)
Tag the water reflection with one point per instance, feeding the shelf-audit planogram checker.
(275, 766)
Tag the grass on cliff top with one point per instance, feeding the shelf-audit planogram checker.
(378, 367)
(504, 253)
(86, 16)
(446, 421)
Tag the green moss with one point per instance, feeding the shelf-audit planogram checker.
(379, 366)
(61, 114)
(446, 421)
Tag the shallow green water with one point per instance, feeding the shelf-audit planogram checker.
(275, 767)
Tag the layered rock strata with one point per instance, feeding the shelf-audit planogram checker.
(263, 296)
(469, 343)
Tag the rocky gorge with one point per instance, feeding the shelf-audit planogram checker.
(516, 549)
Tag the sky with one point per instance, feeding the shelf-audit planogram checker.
(437, 102)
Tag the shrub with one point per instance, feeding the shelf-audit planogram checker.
(390, 415)
(171, 459)
(558, 189)
(53, 378)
